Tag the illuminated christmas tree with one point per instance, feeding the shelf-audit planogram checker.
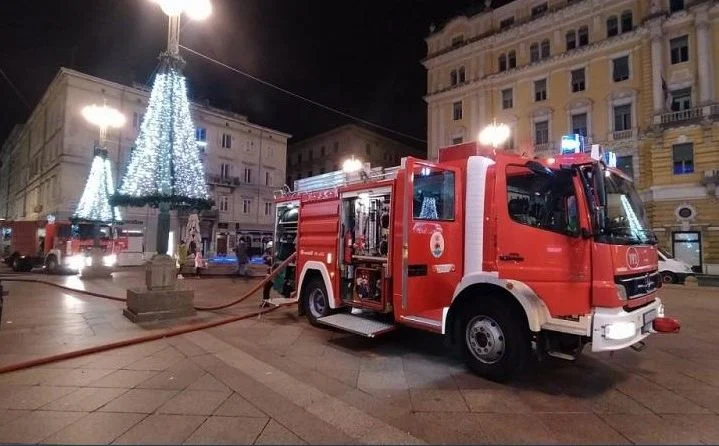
(165, 165)
(95, 204)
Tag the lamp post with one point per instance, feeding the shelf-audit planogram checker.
(494, 134)
(194, 9)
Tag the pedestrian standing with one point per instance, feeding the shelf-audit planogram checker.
(242, 258)
(199, 264)
(267, 258)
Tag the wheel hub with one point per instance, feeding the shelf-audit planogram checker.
(485, 339)
(317, 303)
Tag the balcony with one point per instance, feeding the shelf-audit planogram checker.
(621, 135)
(220, 180)
(543, 148)
(688, 116)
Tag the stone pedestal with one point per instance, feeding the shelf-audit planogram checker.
(161, 299)
(97, 269)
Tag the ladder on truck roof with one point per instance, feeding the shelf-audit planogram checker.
(339, 178)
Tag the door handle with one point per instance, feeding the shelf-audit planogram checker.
(512, 256)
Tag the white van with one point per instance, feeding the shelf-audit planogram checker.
(671, 269)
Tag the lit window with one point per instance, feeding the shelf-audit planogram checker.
(201, 134)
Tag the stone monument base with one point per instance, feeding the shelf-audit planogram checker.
(161, 299)
(153, 305)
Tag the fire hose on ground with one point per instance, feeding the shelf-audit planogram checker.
(145, 338)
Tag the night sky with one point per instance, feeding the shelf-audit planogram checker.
(362, 57)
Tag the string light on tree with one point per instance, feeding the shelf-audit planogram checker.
(94, 204)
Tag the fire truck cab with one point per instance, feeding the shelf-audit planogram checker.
(505, 255)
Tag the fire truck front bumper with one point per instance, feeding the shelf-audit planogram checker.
(616, 329)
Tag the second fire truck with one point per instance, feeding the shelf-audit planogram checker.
(505, 255)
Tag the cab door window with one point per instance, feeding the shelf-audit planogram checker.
(543, 201)
(433, 194)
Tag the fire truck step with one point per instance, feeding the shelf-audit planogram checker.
(277, 301)
(357, 324)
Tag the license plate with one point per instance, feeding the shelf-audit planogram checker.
(649, 316)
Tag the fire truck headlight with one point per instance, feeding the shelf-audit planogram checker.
(620, 330)
(622, 292)
(88, 261)
(76, 262)
(109, 260)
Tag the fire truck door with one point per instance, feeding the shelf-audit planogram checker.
(539, 239)
(431, 236)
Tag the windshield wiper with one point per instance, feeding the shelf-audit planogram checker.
(651, 238)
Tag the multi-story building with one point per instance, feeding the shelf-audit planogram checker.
(636, 76)
(327, 151)
(46, 161)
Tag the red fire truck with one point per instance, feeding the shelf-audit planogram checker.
(505, 255)
(58, 245)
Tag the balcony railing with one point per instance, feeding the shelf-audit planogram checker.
(682, 115)
(622, 134)
(543, 147)
(223, 180)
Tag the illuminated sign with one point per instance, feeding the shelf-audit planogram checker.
(571, 144)
(610, 159)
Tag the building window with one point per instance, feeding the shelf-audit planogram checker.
(612, 26)
(534, 52)
(248, 175)
(507, 98)
(268, 208)
(457, 110)
(224, 203)
(462, 75)
(626, 165)
(622, 117)
(540, 90)
(679, 49)
(336, 147)
(506, 23)
(579, 124)
(683, 158)
(502, 62)
(226, 141)
(511, 59)
(627, 23)
(200, 134)
(457, 41)
(571, 40)
(453, 77)
(457, 140)
(620, 68)
(539, 9)
(225, 170)
(246, 206)
(583, 35)
(322, 151)
(268, 179)
(682, 99)
(578, 80)
(676, 5)
(541, 132)
(545, 48)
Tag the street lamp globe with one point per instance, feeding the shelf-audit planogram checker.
(103, 116)
(494, 134)
(352, 165)
(195, 9)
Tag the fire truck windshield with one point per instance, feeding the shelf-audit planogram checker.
(625, 220)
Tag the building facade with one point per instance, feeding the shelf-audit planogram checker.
(327, 151)
(636, 76)
(46, 161)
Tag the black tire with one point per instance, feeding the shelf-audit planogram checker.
(315, 300)
(51, 264)
(495, 340)
(16, 264)
(669, 277)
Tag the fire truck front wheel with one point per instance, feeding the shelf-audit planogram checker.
(315, 299)
(495, 341)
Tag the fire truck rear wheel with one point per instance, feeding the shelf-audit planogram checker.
(316, 302)
(51, 264)
(495, 341)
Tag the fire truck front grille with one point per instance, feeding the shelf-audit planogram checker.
(640, 285)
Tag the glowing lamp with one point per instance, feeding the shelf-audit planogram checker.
(103, 116)
(352, 165)
(194, 9)
(494, 135)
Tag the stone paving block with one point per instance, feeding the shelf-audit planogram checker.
(708, 398)
(124, 379)
(86, 399)
(95, 428)
(161, 429)
(110, 362)
(442, 427)
(585, 429)
(36, 426)
(275, 433)
(496, 401)
(178, 377)
(438, 400)
(650, 428)
(208, 382)
(8, 415)
(139, 401)
(228, 430)
(76, 377)
(194, 402)
(236, 406)
(28, 377)
(186, 347)
(34, 397)
(614, 401)
(667, 402)
(706, 426)
(514, 429)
